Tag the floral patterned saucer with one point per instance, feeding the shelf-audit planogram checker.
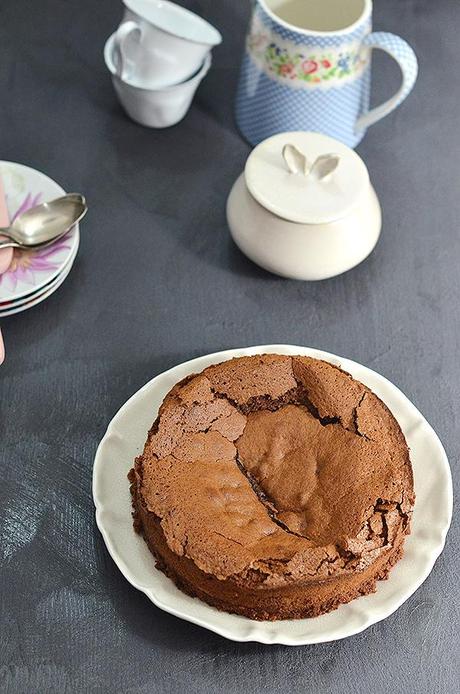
(9, 307)
(31, 271)
(39, 296)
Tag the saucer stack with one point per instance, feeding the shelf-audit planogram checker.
(157, 58)
(29, 277)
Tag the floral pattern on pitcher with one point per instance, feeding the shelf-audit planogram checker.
(286, 61)
(311, 68)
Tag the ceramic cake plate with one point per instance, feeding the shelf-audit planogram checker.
(125, 439)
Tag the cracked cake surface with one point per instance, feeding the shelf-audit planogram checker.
(274, 487)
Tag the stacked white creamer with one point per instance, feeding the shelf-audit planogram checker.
(157, 58)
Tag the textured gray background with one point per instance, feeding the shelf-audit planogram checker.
(158, 281)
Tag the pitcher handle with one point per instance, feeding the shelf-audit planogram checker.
(407, 61)
(124, 30)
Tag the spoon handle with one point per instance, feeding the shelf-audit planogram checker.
(9, 243)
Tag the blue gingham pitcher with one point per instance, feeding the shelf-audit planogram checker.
(296, 78)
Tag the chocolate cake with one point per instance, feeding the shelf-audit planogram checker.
(274, 487)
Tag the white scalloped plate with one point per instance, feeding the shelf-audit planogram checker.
(125, 438)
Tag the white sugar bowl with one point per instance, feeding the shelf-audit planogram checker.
(304, 207)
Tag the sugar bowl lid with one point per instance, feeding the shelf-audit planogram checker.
(306, 177)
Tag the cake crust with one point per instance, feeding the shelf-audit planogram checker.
(274, 487)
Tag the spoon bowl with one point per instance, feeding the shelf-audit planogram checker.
(45, 223)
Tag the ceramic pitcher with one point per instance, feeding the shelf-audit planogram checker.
(307, 66)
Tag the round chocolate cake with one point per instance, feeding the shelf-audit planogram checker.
(274, 487)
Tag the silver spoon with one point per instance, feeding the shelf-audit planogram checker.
(44, 224)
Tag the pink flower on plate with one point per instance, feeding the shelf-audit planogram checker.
(28, 266)
(28, 202)
(309, 66)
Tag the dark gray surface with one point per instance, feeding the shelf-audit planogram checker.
(157, 281)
